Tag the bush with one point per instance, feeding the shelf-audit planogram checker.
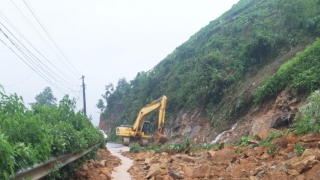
(32, 136)
(301, 72)
(309, 116)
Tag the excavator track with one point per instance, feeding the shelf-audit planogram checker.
(125, 141)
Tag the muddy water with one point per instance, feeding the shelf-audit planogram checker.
(120, 172)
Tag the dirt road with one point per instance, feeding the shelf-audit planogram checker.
(120, 172)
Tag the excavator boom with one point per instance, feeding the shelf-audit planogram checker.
(141, 128)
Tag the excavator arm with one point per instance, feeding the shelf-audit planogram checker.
(136, 131)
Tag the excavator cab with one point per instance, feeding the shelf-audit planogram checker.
(146, 128)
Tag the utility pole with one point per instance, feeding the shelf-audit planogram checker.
(84, 96)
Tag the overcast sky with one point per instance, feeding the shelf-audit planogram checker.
(102, 40)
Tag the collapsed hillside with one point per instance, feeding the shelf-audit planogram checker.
(229, 73)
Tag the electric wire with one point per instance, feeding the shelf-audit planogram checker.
(47, 32)
(30, 66)
(21, 81)
(10, 24)
(16, 7)
(35, 63)
(38, 58)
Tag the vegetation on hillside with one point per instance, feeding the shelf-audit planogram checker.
(301, 72)
(32, 136)
(229, 49)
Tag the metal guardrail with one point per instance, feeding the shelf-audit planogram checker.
(40, 170)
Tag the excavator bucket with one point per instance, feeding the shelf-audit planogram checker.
(160, 138)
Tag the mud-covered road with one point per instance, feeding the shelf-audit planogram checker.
(121, 171)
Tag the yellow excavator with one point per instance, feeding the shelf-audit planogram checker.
(140, 131)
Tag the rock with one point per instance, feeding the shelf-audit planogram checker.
(260, 174)
(290, 155)
(293, 172)
(264, 156)
(177, 174)
(253, 178)
(140, 157)
(106, 172)
(278, 176)
(159, 177)
(167, 177)
(265, 133)
(211, 153)
(188, 159)
(305, 164)
(157, 169)
(196, 172)
(311, 152)
(84, 167)
(311, 137)
(147, 160)
(97, 165)
(313, 173)
(225, 155)
(102, 176)
(103, 163)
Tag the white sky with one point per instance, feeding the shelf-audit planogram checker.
(104, 41)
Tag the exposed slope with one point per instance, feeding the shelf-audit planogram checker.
(204, 74)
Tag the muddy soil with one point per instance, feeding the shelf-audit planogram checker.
(289, 157)
(100, 168)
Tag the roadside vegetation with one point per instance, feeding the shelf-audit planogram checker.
(31, 136)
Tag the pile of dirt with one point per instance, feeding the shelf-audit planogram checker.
(288, 157)
(100, 168)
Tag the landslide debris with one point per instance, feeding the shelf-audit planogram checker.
(100, 168)
(271, 154)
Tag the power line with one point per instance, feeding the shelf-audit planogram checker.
(45, 30)
(21, 81)
(35, 63)
(16, 7)
(6, 19)
(31, 67)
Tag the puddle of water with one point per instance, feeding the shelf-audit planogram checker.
(120, 172)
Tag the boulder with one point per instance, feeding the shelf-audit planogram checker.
(311, 137)
(176, 174)
(313, 173)
(226, 155)
(196, 171)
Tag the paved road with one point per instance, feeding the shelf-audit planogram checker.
(120, 172)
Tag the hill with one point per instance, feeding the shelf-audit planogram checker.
(229, 72)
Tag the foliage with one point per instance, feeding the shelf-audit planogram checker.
(199, 72)
(31, 136)
(272, 148)
(298, 148)
(45, 98)
(309, 115)
(135, 148)
(301, 72)
(207, 146)
(100, 105)
(245, 140)
(186, 145)
(271, 136)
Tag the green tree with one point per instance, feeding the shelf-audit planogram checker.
(100, 105)
(45, 98)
